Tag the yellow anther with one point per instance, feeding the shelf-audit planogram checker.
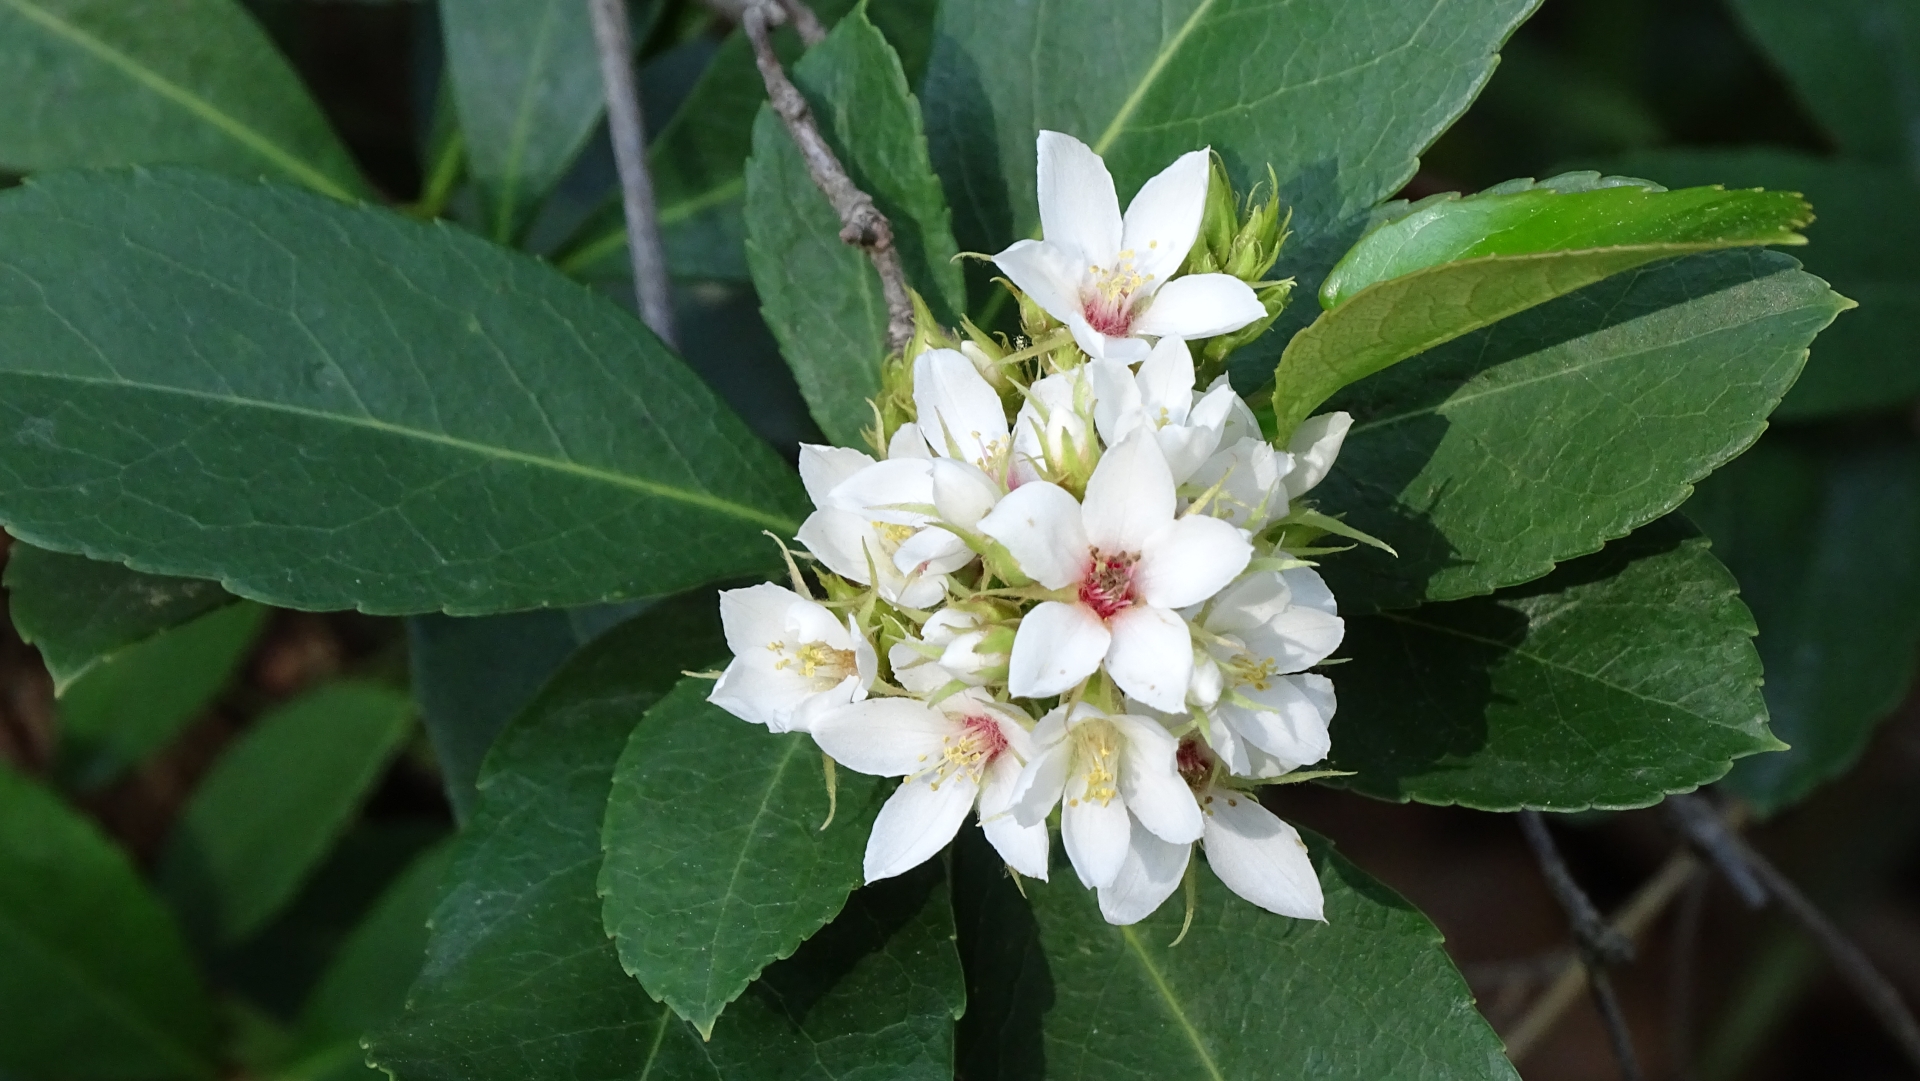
(1255, 672)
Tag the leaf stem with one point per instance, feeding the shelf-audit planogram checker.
(861, 222)
(651, 288)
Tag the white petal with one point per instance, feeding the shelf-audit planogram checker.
(1189, 561)
(959, 412)
(962, 493)
(815, 707)
(1057, 646)
(1297, 638)
(1117, 408)
(908, 442)
(916, 823)
(1151, 784)
(1207, 684)
(1166, 382)
(1129, 497)
(885, 737)
(1000, 782)
(1079, 210)
(1054, 418)
(916, 671)
(932, 551)
(1023, 847)
(805, 621)
(1252, 493)
(1095, 835)
(1151, 657)
(1314, 446)
(1040, 784)
(841, 539)
(882, 492)
(1099, 346)
(1260, 857)
(1164, 217)
(1200, 306)
(1049, 274)
(1040, 524)
(756, 616)
(1289, 726)
(823, 468)
(1310, 590)
(923, 591)
(1151, 872)
(755, 691)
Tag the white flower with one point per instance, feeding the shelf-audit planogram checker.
(963, 752)
(1314, 446)
(793, 660)
(1250, 850)
(947, 651)
(1130, 563)
(1114, 772)
(1266, 716)
(1248, 480)
(873, 524)
(1160, 399)
(1054, 431)
(960, 415)
(1105, 276)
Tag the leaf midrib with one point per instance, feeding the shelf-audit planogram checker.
(107, 1002)
(1159, 983)
(700, 499)
(726, 900)
(193, 103)
(522, 120)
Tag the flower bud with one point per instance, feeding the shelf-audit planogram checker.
(1256, 246)
(1218, 223)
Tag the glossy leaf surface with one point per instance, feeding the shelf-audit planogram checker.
(1856, 65)
(1615, 680)
(350, 410)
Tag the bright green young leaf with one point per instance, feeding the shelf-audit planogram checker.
(1856, 64)
(1827, 550)
(1338, 97)
(526, 83)
(328, 406)
(522, 984)
(1870, 359)
(1447, 266)
(78, 611)
(1057, 993)
(1487, 460)
(274, 804)
(822, 296)
(364, 989)
(1612, 682)
(472, 675)
(134, 702)
(105, 82)
(716, 862)
(96, 980)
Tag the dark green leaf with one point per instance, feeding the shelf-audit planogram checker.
(1612, 682)
(471, 676)
(77, 611)
(102, 83)
(1448, 266)
(1869, 359)
(329, 406)
(821, 296)
(134, 702)
(1369, 994)
(1337, 97)
(1487, 460)
(526, 82)
(274, 804)
(96, 981)
(1856, 64)
(1827, 550)
(716, 863)
(365, 987)
(522, 984)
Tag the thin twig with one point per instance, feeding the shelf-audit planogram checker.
(1733, 850)
(650, 285)
(1631, 921)
(1681, 976)
(1600, 945)
(861, 222)
(1714, 837)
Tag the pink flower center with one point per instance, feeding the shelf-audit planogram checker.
(1108, 586)
(1108, 306)
(1194, 762)
(985, 736)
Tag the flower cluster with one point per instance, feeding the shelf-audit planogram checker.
(1074, 579)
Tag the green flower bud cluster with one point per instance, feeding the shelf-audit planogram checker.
(1242, 239)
